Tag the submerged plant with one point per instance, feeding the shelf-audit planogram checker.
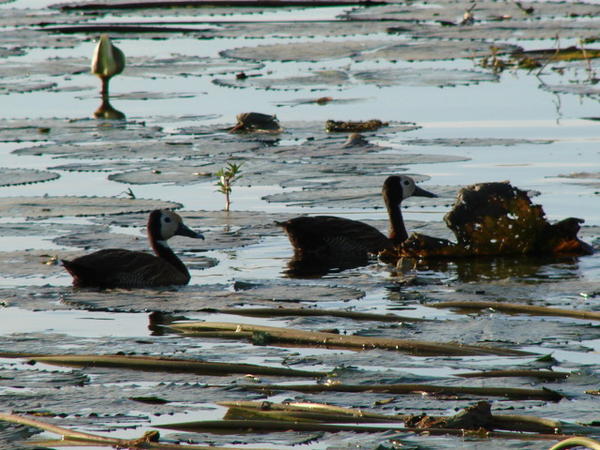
(228, 175)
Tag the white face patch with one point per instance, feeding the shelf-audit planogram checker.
(169, 223)
(408, 186)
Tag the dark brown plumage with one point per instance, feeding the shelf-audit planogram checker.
(331, 240)
(115, 267)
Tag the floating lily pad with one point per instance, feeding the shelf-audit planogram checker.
(357, 197)
(475, 142)
(185, 65)
(12, 177)
(196, 298)
(576, 89)
(260, 172)
(297, 293)
(103, 166)
(321, 79)
(582, 176)
(424, 77)
(66, 131)
(21, 88)
(76, 206)
(362, 50)
(590, 179)
(116, 150)
(36, 263)
(148, 148)
(146, 95)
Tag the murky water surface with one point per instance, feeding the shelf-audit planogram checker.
(179, 91)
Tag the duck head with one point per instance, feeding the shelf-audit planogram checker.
(164, 224)
(399, 187)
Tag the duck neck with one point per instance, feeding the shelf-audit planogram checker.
(397, 230)
(163, 251)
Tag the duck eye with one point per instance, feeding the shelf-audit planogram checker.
(406, 182)
(167, 219)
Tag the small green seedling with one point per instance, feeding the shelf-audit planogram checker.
(227, 176)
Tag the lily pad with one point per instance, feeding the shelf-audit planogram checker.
(67, 131)
(185, 65)
(424, 77)
(116, 150)
(29, 86)
(76, 206)
(326, 79)
(13, 177)
(576, 89)
(197, 297)
(590, 179)
(347, 198)
(33, 263)
(475, 142)
(149, 148)
(362, 50)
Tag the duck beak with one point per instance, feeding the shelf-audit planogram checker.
(183, 230)
(419, 192)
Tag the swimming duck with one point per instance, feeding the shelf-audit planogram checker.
(329, 239)
(115, 267)
(107, 62)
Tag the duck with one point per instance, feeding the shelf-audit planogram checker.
(107, 61)
(331, 240)
(121, 268)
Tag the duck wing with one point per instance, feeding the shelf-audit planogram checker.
(334, 235)
(112, 268)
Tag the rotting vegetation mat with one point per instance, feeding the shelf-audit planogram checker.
(498, 351)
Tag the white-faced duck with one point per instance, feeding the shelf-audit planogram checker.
(329, 239)
(115, 267)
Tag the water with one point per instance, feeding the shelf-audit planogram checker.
(514, 107)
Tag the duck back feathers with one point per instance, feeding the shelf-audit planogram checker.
(111, 268)
(330, 240)
(315, 237)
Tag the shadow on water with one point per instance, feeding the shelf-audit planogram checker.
(522, 268)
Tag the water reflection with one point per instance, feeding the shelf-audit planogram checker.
(314, 268)
(533, 268)
(107, 111)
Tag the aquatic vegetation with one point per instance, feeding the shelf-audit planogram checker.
(491, 219)
(332, 126)
(228, 175)
(108, 61)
